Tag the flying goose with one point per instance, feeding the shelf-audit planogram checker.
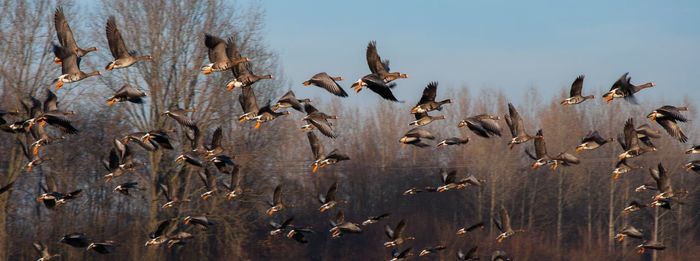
(209, 181)
(201, 222)
(127, 93)
(171, 200)
(396, 237)
(340, 226)
(516, 126)
(126, 186)
(70, 67)
(52, 198)
(471, 228)
(541, 157)
(693, 166)
(77, 240)
(504, 225)
(151, 140)
(427, 101)
(180, 116)
(242, 73)
(220, 54)
(564, 159)
(328, 200)
(120, 160)
(322, 159)
(415, 137)
(629, 231)
(633, 206)
(651, 244)
(423, 119)
(104, 248)
(249, 104)
(693, 150)
(470, 255)
(453, 141)
(575, 96)
(432, 250)
(632, 142)
(668, 117)
(379, 66)
(289, 100)
(592, 141)
(374, 219)
(65, 36)
(123, 57)
(328, 83)
(266, 114)
(663, 184)
(483, 125)
(44, 252)
(276, 203)
(278, 228)
(235, 189)
(319, 120)
(162, 232)
(375, 83)
(400, 255)
(622, 88)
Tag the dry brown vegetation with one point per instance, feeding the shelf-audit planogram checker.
(571, 213)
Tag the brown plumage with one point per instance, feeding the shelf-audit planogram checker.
(122, 56)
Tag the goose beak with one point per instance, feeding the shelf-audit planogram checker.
(110, 66)
(608, 97)
(206, 70)
(57, 60)
(230, 86)
(579, 148)
(258, 124)
(111, 101)
(59, 84)
(535, 165)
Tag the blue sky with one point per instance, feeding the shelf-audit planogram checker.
(509, 45)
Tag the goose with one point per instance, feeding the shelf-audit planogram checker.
(644, 187)
(693, 166)
(504, 225)
(119, 161)
(297, 234)
(209, 181)
(622, 88)
(65, 36)
(220, 55)
(70, 67)
(663, 184)
(483, 125)
(396, 237)
(289, 100)
(122, 56)
(249, 104)
(516, 126)
(192, 160)
(651, 244)
(629, 231)
(592, 141)
(104, 248)
(34, 158)
(632, 142)
(52, 198)
(470, 255)
(319, 120)
(179, 239)
(564, 159)
(645, 133)
(328, 200)
(278, 228)
(150, 140)
(668, 117)
(693, 150)
(427, 101)
(214, 146)
(77, 240)
(126, 186)
(202, 222)
(44, 252)
(327, 82)
(432, 250)
(633, 206)
(276, 204)
(541, 157)
(127, 93)
(235, 189)
(448, 180)
(471, 228)
(376, 84)
(423, 119)
(453, 141)
(340, 226)
(400, 255)
(180, 116)
(575, 96)
(375, 219)
(171, 200)
(415, 137)
(414, 190)
(55, 119)
(379, 66)
(266, 114)
(321, 159)
(242, 73)
(160, 235)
